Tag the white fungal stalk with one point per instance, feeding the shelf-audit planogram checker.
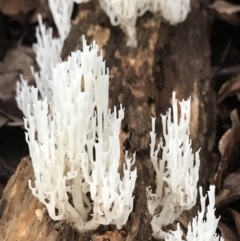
(176, 169)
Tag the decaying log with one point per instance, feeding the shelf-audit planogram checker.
(142, 79)
(24, 218)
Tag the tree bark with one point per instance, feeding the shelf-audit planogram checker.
(142, 79)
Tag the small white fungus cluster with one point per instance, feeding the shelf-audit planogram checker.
(74, 146)
(172, 11)
(125, 13)
(48, 51)
(203, 227)
(176, 169)
(61, 11)
(72, 136)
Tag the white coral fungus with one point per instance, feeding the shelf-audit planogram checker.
(74, 146)
(176, 169)
(126, 12)
(203, 227)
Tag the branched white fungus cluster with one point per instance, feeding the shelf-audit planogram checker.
(176, 169)
(61, 12)
(72, 134)
(126, 12)
(74, 146)
(48, 51)
(203, 227)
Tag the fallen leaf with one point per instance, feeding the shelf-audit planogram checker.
(19, 58)
(226, 12)
(236, 217)
(16, 61)
(232, 181)
(231, 87)
(229, 199)
(221, 196)
(3, 120)
(227, 144)
(17, 7)
(228, 233)
(225, 7)
(10, 110)
(31, 16)
(8, 84)
(231, 137)
(231, 190)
